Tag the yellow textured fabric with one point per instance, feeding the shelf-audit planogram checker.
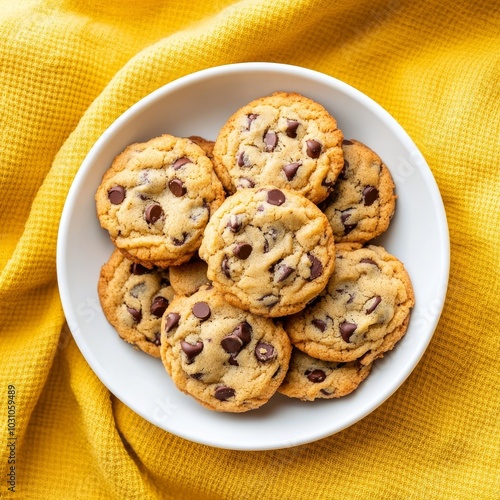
(68, 68)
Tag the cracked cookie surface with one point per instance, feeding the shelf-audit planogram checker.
(284, 139)
(309, 378)
(269, 251)
(133, 299)
(226, 358)
(156, 199)
(362, 202)
(363, 311)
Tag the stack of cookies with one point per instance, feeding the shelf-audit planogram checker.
(245, 264)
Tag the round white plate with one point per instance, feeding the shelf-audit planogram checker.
(199, 104)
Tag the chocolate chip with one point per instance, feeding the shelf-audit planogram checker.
(265, 352)
(201, 310)
(242, 160)
(348, 228)
(313, 148)
(291, 128)
(319, 324)
(244, 332)
(157, 340)
(283, 272)
(343, 218)
(225, 268)
(116, 195)
(178, 242)
(290, 170)
(376, 302)
(139, 269)
(367, 260)
(250, 118)
(158, 306)
(191, 350)
(153, 212)
(172, 320)
(223, 393)
(270, 238)
(346, 142)
(234, 223)
(233, 361)
(316, 267)
(177, 187)
(180, 162)
(231, 343)
(370, 194)
(347, 329)
(275, 197)
(197, 376)
(136, 314)
(242, 250)
(270, 140)
(315, 376)
(343, 172)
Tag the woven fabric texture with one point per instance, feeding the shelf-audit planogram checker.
(69, 68)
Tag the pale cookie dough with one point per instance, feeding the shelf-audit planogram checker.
(228, 359)
(133, 299)
(284, 139)
(309, 378)
(362, 202)
(156, 199)
(362, 313)
(269, 251)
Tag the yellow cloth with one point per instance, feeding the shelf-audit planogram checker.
(68, 68)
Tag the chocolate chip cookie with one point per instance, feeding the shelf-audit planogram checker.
(268, 250)
(362, 202)
(285, 139)
(156, 199)
(309, 378)
(363, 311)
(226, 358)
(187, 278)
(133, 299)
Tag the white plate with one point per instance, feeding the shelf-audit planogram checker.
(199, 104)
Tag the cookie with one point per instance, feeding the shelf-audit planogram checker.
(362, 202)
(187, 278)
(363, 311)
(269, 251)
(133, 299)
(309, 379)
(156, 199)
(205, 144)
(285, 139)
(228, 359)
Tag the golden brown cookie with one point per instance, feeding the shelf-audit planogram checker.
(226, 358)
(309, 378)
(362, 202)
(156, 199)
(363, 311)
(285, 139)
(133, 299)
(269, 251)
